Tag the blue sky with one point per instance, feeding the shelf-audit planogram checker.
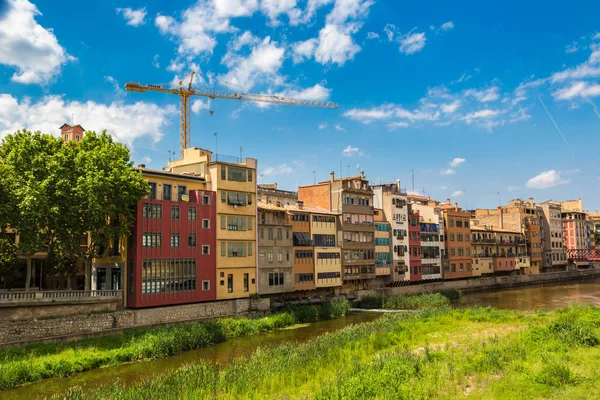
(478, 98)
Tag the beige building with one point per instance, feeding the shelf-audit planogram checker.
(274, 250)
(555, 254)
(234, 180)
(270, 194)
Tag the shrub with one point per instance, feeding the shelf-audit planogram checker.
(556, 375)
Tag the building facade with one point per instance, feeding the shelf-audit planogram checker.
(383, 242)
(352, 199)
(457, 235)
(171, 252)
(555, 255)
(431, 233)
(414, 245)
(392, 201)
(274, 250)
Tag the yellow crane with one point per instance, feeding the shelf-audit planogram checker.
(186, 93)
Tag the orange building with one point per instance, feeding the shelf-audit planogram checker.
(458, 242)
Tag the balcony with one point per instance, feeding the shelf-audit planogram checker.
(59, 296)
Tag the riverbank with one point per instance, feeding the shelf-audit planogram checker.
(481, 353)
(40, 361)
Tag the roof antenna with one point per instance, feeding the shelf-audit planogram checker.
(170, 152)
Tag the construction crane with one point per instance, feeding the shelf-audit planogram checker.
(185, 94)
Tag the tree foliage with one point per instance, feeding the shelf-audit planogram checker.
(52, 193)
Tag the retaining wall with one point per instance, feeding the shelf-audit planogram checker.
(76, 326)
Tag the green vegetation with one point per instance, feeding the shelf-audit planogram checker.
(477, 353)
(35, 362)
(405, 302)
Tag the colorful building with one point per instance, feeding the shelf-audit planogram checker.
(171, 252)
(414, 245)
(383, 242)
(457, 233)
(431, 233)
(554, 251)
(392, 201)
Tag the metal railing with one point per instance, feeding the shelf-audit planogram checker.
(22, 296)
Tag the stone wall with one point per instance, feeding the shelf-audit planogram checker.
(14, 332)
(44, 310)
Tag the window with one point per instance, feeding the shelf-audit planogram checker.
(279, 234)
(174, 212)
(326, 256)
(223, 172)
(304, 254)
(77, 138)
(236, 249)
(468, 249)
(192, 213)
(169, 275)
(249, 198)
(223, 251)
(275, 278)
(453, 267)
(452, 237)
(236, 174)
(466, 226)
(181, 191)
(223, 197)
(150, 210)
(328, 275)
(205, 223)
(237, 199)
(279, 255)
(461, 251)
(287, 234)
(151, 240)
(459, 223)
(192, 240)
(261, 233)
(229, 283)
(205, 200)
(249, 223)
(270, 232)
(167, 192)
(451, 222)
(270, 256)
(205, 250)
(235, 223)
(324, 240)
(250, 245)
(459, 237)
(246, 282)
(300, 217)
(452, 251)
(205, 286)
(174, 239)
(152, 194)
(249, 175)
(301, 278)
(301, 239)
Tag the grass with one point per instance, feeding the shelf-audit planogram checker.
(406, 302)
(40, 361)
(477, 353)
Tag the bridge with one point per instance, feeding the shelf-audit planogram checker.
(584, 254)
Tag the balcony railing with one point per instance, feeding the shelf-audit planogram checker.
(227, 159)
(58, 295)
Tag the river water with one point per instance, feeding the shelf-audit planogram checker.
(525, 299)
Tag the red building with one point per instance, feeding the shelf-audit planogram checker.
(414, 245)
(171, 253)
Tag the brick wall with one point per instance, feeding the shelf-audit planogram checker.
(81, 325)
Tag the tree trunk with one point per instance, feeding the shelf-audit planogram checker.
(88, 274)
(28, 274)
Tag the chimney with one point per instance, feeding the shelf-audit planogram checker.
(531, 200)
(300, 204)
(448, 202)
(362, 174)
(398, 185)
(332, 174)
(141, 165)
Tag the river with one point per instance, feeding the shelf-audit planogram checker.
(524, 299)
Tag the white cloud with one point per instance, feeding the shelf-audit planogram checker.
(339, 128)
(302, 51)
(282, 169)
(119, 92)
(388, 111)
(398, 124)
(274, 8)
(447, 26)
(519, 115)
(322, 125)
(481, 114)
(546, 179)
(175, 66)
(444, 187)
(133, 17)
(457, 193)
(484, 96)
(26, 46)
(448, 171)
(513, 188)
(372, 35)
(199, 104)
(390, 31)
(457, 161)
(336, 46)
(352, 151)
(345, 10)
(412, 42)
(588, 69)
(126, 122)
(449, 108)
(262, 64)
(316, 92)
(155, 61)
(572, 48)
(577, 89)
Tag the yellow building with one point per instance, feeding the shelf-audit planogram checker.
(234, 180)
(383, 239)
(327, 253)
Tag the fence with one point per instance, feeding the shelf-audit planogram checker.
(61, 295)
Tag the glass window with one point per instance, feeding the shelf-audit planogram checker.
(192, 213)
(167, 192)
(192, 240)
(205, 286)
(451, 221)
(250, 245)
(229, 283)
(249, 175)
(236, 174)
(249, 223)
(205, 223)
(174, 212)
(205, 200)
(223, 172)
(246, 279)
(152, 194)
(223, 196)
(205, 250)
(174, 239)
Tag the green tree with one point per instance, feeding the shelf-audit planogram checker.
(27, 159)
(107, 190)
(597, 238)
(9, 261)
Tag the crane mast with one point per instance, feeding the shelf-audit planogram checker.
(185, 94)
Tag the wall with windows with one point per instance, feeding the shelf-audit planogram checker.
(171, 252)
(274, 250)
(328, 266)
